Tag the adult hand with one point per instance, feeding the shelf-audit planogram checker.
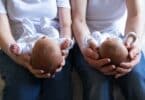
(24, 60)
(133, 57)
(91, 55)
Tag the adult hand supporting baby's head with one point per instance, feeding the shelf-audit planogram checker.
(132, 44)
(24, 60)
(91, 55)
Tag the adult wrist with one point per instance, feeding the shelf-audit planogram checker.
(66, 36)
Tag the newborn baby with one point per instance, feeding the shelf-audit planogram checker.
(44, 48)
(47, 55)
(111, 46)
(114, 49)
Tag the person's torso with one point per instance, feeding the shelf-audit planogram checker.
(105, 15)
(33, 9)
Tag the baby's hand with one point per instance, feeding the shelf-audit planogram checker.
(130, 39)
(14, 48)
(66, 43)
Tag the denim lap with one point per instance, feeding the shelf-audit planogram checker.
(99, 87)
(22, 85)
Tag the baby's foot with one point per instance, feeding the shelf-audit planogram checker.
(14, 48)
(66, 44)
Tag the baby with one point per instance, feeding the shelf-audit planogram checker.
(111, 45)
(44, 48)
(47, 55)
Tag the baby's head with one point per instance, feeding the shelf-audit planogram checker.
(114, 49)
(46, 55)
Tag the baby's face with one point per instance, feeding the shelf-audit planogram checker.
(47, 56)
(114, 49)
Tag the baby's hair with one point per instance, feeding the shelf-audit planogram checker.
(46, 54)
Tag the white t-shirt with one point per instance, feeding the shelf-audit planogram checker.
(106, 15)
(32, 9)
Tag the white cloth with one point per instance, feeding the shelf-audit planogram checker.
(99, 37)
(30, 34)
(28, 39)
(2, 7)
(31, 9)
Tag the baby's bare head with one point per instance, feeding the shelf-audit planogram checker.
(46, 55)
(114, 49)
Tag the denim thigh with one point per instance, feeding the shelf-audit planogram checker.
(133, 84)
(96, 85)
(59, 87)
(20, 84)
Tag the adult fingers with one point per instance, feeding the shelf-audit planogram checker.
(46, 75)
(123, 70)
(126, 67)
(101, 62)
(98, 63)
(63, 62)
(108, 70)
(133, 52)
(132, 63)
(38, 73)
(58, 69)
(61, 66)
(92, 54)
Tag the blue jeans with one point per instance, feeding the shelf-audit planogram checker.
(99, 87)
(22, 85)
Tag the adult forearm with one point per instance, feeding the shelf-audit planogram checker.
(135, 17)
(6, 37)
(80, 30)
(65, 31)
(135, 24)
(65, 22)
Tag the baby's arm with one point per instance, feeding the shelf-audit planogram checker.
(65, 28)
